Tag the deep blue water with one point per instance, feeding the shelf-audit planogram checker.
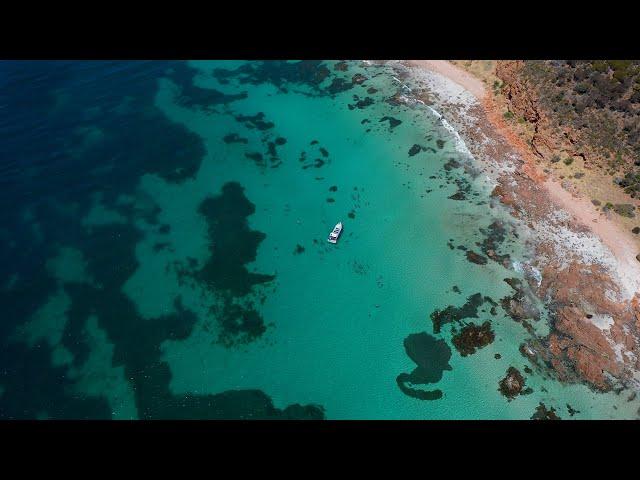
(44, 107)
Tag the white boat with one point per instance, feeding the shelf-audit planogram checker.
(337, 230)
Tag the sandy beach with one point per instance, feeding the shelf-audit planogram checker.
(462, 78)
(588, 262)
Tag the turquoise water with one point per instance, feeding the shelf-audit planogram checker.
(192, 283)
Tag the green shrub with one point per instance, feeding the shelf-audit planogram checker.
(581, 88)
(508, 115)
(568, 161)
(600, 66)
(624, 210)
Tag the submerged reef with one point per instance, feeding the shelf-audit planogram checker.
(431, 355)
(455, 314)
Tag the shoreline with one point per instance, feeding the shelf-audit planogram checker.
(620, 242)
(588, 264)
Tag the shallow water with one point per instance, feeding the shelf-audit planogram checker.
(165, 257)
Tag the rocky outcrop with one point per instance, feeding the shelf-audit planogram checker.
(513, 384)
(522, 100)
(473, 337)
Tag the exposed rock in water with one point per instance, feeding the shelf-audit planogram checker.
(473, 337)
(542, 413)
(495, 235)
(474, 257)
(518, 306)
(511, 386)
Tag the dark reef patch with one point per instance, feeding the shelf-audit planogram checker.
(361, 103)
(451, 164)
(234, 138)
(572, 411)
(298, 250)
(457, 196)
(339, 85)
(544, 413)
(256, 157)
(473, 337)
(256, 121)
(341, 66)
(240, 324)
(192, 96)
(278, 72)
(233, 244)
(431, 355)
(495, 236)
(393, 122)
(474, 257)
(415, 149)
(455, 314)
(358, 79)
